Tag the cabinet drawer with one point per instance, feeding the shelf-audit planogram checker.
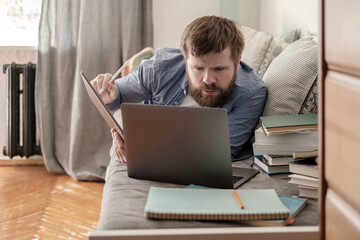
(342, 35)
(342, 221)
(342, 135)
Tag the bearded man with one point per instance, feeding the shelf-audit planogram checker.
(206, 72)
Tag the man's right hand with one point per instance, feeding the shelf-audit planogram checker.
(102, 81)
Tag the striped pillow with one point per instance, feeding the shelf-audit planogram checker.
(291, 79)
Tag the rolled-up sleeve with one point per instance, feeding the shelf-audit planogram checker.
(158, 80)
(135, 87)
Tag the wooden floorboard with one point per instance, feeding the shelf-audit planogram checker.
(36, 204)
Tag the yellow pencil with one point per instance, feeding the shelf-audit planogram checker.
(238, 199)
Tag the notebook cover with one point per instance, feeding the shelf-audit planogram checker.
(294, 204)
(214, 204)
(289, 120)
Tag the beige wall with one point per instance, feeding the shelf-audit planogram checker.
(272, 16)
(171, 18)
(249, 13)
(19, 55)
(279, 16)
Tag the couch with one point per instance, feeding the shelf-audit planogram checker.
(288, 66)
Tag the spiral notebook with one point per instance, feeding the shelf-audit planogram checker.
(214, 204)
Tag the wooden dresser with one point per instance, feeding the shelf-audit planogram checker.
(339, 87)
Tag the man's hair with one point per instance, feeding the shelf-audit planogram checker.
(212, 33)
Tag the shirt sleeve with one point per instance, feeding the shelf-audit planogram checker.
(243, 119)
(135, 87)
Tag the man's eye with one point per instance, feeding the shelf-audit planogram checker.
(199, 68)
(218, 69)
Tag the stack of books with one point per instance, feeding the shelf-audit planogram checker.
(305, 173)
(281, 136)
(272, 168)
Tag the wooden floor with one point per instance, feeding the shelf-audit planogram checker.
(36, 204)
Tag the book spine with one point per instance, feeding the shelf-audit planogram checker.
(289, 138)
(309, 154)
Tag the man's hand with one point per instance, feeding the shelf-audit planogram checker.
(102, 81)
(119, 146)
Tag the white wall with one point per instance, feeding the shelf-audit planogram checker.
(279, 16)
(249, 13)
(171, 18)
(272, 16)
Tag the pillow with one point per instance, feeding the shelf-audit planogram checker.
(282, 41)
(258, 48)
(134, 61)
(310, 103)
(291, 79)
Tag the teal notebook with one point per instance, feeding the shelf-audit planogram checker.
(289, 120)
(289, 123)
(214, 204)
(294, 204)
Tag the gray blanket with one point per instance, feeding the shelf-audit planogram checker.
(124, 199)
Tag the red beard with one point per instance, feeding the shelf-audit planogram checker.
(211, 100)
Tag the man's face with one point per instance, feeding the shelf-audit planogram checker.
(211, 78)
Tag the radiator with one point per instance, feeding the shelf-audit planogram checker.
(20, 80)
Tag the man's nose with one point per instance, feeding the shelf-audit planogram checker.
(208, 78)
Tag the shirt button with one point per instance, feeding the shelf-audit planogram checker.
(176, 102)
(185, 92)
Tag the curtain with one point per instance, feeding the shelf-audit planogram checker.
(93, 36)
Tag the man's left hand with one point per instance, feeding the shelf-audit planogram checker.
(119, 146)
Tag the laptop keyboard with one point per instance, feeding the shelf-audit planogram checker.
(237, 178)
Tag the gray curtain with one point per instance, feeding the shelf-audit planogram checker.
(93, 36)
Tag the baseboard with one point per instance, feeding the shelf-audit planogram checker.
(35, 160)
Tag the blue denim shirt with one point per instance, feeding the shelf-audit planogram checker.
(162, 80)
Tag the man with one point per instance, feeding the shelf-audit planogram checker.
(207, 72)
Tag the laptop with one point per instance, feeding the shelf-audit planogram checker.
(174, 144)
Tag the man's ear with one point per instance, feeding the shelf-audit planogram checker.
(238, 63)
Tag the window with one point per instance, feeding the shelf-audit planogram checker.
(19, 22)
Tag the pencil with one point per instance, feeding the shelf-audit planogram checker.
(238, 199)
(118, 72)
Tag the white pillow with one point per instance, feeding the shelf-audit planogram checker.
(258, 48)
(282, 41)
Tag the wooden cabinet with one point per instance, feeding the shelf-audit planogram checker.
(342, 35)
(340, 120)
(342, 220)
